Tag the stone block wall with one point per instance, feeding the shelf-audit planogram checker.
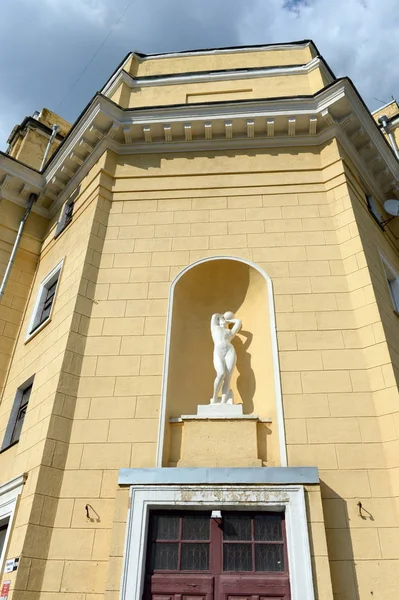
(139, 221)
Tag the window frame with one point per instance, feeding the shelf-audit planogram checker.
(4, 525)
(391, 275)
(66, 216)
(35, 325)
(9, 496)
(8, 440)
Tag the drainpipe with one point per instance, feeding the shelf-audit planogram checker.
(384, 122)
(31, 201)
(56, 129)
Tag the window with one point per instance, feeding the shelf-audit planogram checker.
(392, 278)
(179, 543)
(45, 300)
(66, 216)
(374, 209)
(18, 412)
(253, 542)
(247, 542)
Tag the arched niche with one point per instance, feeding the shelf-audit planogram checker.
(214, 285)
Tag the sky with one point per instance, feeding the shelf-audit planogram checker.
(58, 53)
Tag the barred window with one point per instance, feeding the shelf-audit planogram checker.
(180, 543)
(253, 542)
(18, 413)
(45, 300)
(241, 542)
(66, 216)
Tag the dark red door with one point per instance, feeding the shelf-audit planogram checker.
(194, 557)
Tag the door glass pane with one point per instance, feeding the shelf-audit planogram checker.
(269, 557)
(196, 527)
(194, 557)
(236, 527)
(165, 527)
(267, 528)
(165, 556)
(237, 557)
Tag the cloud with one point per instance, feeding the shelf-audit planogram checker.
(94, 11)
(354, 36)
(41, 63)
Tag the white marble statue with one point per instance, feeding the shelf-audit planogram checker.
(224, 354)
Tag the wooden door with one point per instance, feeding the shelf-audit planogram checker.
(189, 587)
(193, 557)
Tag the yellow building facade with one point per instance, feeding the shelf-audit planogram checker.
(249, 180)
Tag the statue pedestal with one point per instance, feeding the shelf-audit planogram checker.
(219, 411)
(219, 435)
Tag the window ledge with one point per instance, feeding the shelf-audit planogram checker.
(13, 484)
(33, 333)
(9, 446)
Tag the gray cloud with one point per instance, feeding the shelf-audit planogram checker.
(45, 44)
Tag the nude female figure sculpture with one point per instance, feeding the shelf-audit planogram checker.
(224, 354)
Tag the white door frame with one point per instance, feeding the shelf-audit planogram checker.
(287, 498)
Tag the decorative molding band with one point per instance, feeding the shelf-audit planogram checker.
(213, 76)
(216, 51)
(309, 120)
(283, 106)
(221, 144)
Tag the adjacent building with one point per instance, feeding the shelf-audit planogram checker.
(249, 180)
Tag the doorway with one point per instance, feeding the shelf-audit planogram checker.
(235, 556)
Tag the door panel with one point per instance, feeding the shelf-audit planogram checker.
(252, 597)
(253, 588)
(181, 587)
(270, 595)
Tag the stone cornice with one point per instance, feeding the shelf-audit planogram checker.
(228, 50)
(336, 111)
(226, 110)
(14, 168)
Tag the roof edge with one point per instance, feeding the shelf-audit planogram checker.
(226, 49)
